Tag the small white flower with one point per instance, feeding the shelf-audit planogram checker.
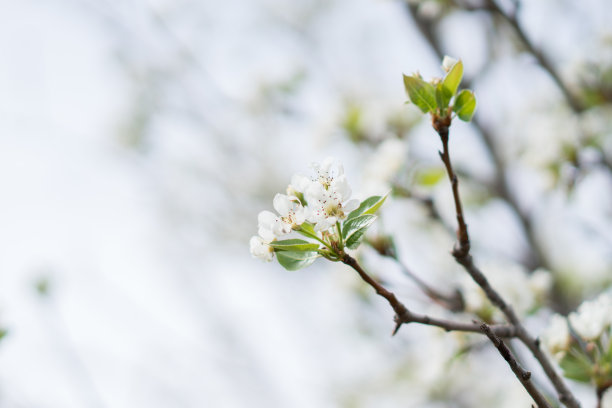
(328, 196)
(592, 317)
(298, 186)
(269, 226)
(540, 283)
(448, 63)
(291, 211)
(556, 338)
(260, 249)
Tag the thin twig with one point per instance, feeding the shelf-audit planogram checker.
(403, 315)
(523, 376)
(461, 252)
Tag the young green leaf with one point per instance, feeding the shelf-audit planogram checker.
(294, 245)
(294, 260)
(421, 93)
(575, 369)
(354, 229)
(307, 229)
(368, 206)
(430, 177)
(465, 104)
(442, 97)
(451, 81)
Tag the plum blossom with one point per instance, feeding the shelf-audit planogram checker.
(328, 195)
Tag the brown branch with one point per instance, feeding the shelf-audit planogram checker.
(441, 126)
(462, 255)
(523, 376)
(403, 315)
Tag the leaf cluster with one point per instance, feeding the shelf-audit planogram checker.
(435, 97)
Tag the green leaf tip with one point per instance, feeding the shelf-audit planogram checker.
(465, 105)
(421, 93)
(368, 206)
(451, 82)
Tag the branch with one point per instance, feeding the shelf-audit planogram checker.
(462, 255)
(403, 315)
(523, 376)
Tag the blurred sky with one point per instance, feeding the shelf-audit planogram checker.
(139, 140)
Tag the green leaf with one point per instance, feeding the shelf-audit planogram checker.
(442, 97)
(294, 245)
(465, 104)
(421, 93)
(294, 260)
(307, 229)
(354, 229)
(451, 81)
(368, 206)
(430, 177)
(575, 368)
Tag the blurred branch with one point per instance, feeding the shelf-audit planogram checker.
(523, 376)
(462, 255)
(403, 315)
(511, 18)
(536, 258)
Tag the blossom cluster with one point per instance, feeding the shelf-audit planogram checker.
(581, 342)
(320, 202)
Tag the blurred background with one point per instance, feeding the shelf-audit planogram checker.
(139, 139)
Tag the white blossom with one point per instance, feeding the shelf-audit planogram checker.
(540, 283)
(328, 196)
(556, 337)
(592, 317)
(270, 226)
(260, 249)
(291, 211)
(448, 63)
(298, 186)
(384, 164)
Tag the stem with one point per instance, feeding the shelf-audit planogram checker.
(403, 315)
(462, 232)
(523, 376)
(463, 257)
(314, 236)
(340, 235)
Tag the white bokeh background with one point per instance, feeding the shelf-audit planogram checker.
(138, 141)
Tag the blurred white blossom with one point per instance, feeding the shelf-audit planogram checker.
(556, 337)
(383, 166)
(592, 317)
